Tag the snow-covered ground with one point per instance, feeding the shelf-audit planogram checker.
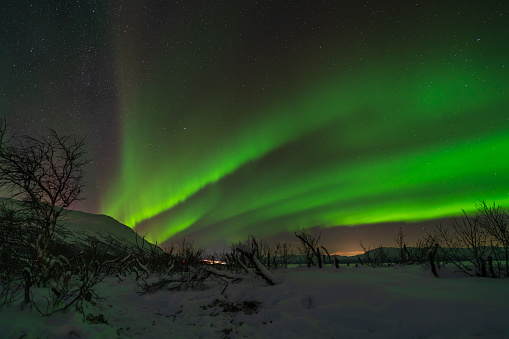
(350, 302)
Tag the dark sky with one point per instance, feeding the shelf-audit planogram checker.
(218, 119)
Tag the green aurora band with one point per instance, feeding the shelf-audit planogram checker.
(368, 142)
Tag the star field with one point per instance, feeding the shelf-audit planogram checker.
(216, 120)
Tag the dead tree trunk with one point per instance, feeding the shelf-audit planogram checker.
(318, 255)
(490, 265)
(432, 263)
(28, 282)
(259, 268)
(310, 242)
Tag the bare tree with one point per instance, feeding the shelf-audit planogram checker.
(382, 256)
(496, 221)
(399, 239)
(465, 241)
(418, 254)
(188, 255)
(46, 175)
(284, 253)
(309, 248)
(263, 251)
(249, 251)
(367, 254)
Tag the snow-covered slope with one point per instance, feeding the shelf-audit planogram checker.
(350, 302)
(82, 227)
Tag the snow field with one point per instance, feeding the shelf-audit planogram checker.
(350, 302)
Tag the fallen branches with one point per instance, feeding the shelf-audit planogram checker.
(260, 270)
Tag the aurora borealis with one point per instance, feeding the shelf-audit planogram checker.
(217, 120)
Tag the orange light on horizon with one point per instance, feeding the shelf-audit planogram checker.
(348, 254)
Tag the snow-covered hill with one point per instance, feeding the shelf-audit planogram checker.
(81, 230)
(83, 227)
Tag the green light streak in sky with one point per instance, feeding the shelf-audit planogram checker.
(414, 157)
(369, 142)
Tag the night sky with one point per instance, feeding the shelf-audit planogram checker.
(219, 119)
